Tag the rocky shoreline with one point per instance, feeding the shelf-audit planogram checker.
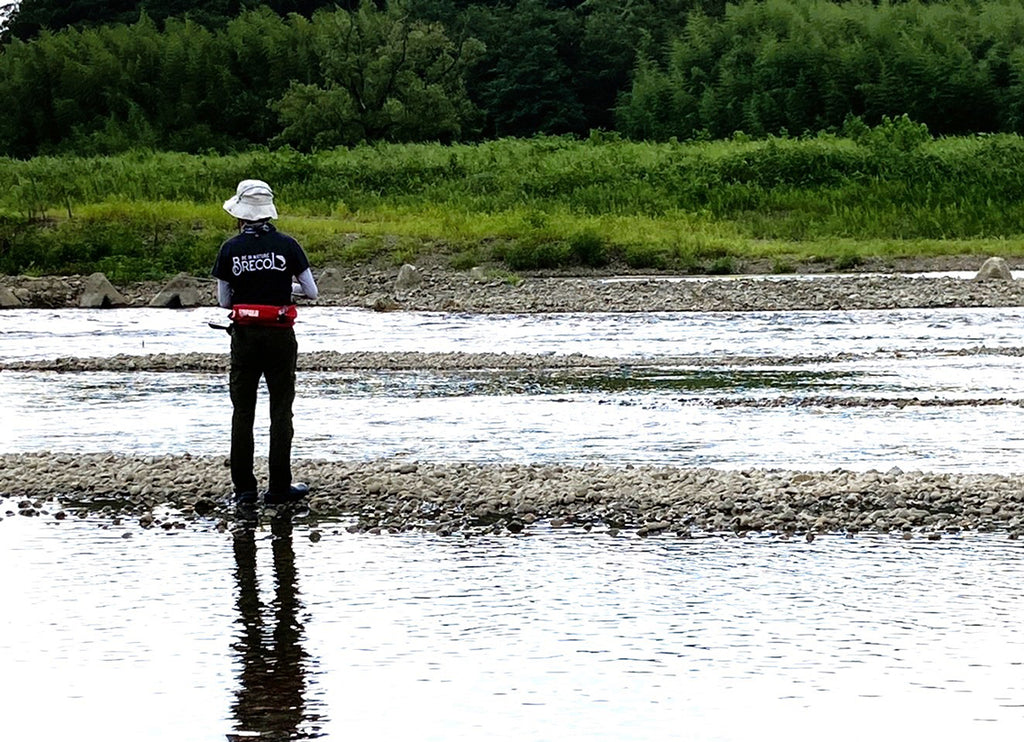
(172, 492)
(434, 288)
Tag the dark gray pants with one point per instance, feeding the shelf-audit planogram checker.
(270, 352)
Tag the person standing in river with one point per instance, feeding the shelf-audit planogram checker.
(255, 271)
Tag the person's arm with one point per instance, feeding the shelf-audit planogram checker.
(224, 293)
(307, 285)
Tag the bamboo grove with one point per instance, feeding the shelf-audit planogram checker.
(195, 77)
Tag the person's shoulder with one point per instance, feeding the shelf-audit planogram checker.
(285, 237)
(233, 240)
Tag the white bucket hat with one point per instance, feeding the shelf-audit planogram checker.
(253, 201)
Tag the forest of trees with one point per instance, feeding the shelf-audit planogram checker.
(95, 77)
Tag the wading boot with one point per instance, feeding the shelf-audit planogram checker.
(248, 497)
(294, 493)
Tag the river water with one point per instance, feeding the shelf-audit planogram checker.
(267, 633)
(829, 376)
(557, 636)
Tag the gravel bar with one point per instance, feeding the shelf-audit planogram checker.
(458, 498)
(418, 361)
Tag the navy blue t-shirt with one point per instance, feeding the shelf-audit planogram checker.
(259, 264)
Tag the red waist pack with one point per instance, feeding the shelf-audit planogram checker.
(265, 315)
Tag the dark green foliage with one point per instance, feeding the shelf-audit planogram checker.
(585, 249)
(383, 78)
(340, 78)
(526, 81)
(132, 251)
(796, 66)
(91, 77)
(722, 266)
(118, 87)
(34, 16)
(464, 260)
(639, 258)
(848, 261)
(533, 254)
(677, 258)
(554, 67)
(588, 249)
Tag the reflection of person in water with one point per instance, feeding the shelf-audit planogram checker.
(270, 699)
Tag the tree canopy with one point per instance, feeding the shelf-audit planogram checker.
(91, 77)
(35, 16)
(383, 77)
(799, 66)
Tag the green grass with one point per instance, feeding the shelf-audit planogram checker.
(530, 204)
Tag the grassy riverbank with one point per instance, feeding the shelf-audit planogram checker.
(892, 192)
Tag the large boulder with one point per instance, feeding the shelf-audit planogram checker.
(409, 277)
(994, 269)
(99, 293)
(332, 281)
(8, 299)
(181, 291)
